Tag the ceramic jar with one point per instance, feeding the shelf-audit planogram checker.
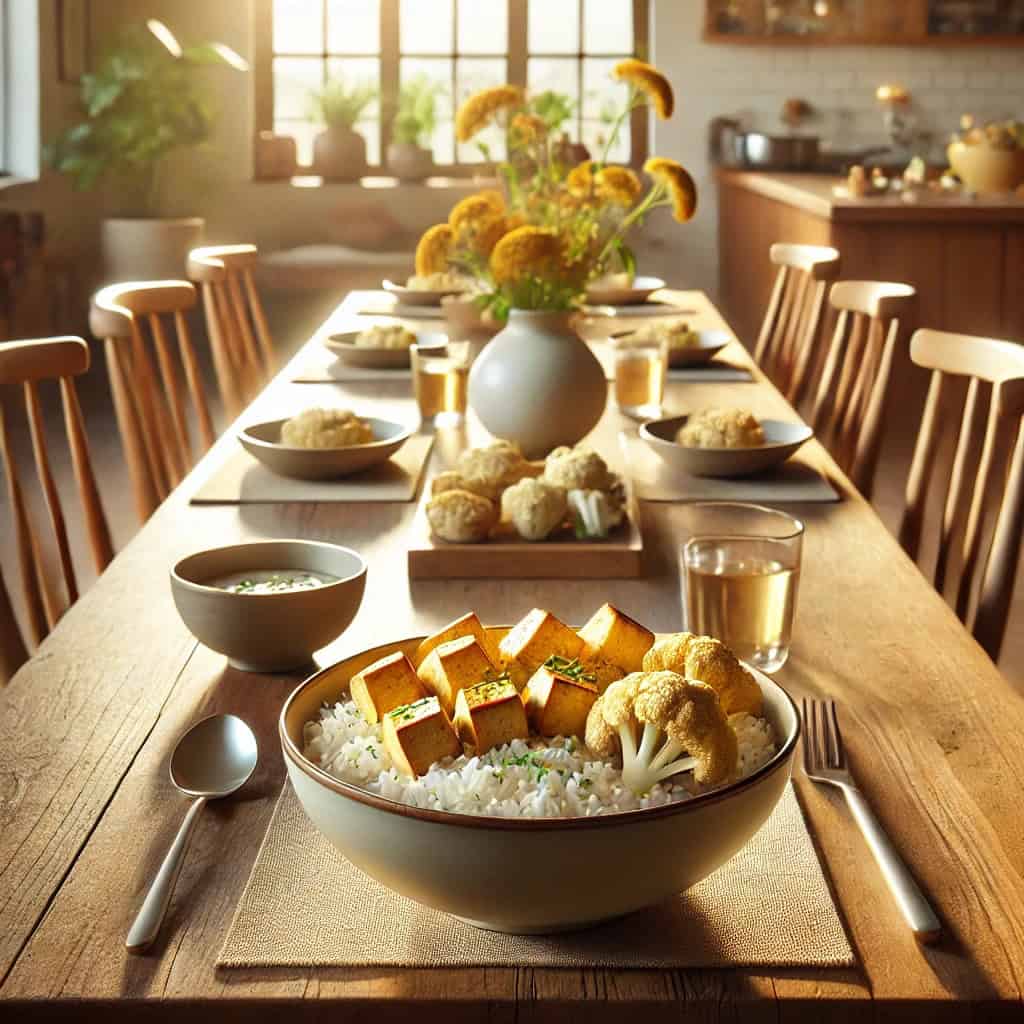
(537, 383)
(409, 162)
(339, 154)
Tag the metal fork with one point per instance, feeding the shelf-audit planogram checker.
(825, 761)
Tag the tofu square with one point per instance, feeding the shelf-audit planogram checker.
(466, 625)
(532, 641)
(557, 704)
(490, 714)
(419, 734)
(384, 685)
(614, 637)
(453, 666)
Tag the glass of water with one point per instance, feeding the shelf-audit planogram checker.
(741, 571)
(639, 376)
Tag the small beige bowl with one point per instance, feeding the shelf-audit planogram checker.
(781, 441)
(417, 296)
(709, 345)
(268, 632)
(640, 291)
(262, 442)
(344, 346)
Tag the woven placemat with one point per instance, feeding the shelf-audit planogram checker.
(305, 905)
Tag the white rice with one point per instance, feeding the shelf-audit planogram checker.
(536, 778)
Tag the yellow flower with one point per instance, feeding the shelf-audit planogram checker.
(469, 212)
(528, 250)
(679, 184)
(477, 223)
(477, 112)
(433, 250)
(528, 127)
(495, 198)
(648, 80)
(580, 180)
(618, 185)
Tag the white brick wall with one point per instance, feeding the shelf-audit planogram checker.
(753, 82)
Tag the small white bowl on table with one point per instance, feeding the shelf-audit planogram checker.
(269, 632)
(418, 296)
(709, 344)
(377, 357)
(530, 875)
(782, 440)
(263, 442)
(639, 291)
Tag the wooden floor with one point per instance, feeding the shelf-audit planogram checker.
(113, 478)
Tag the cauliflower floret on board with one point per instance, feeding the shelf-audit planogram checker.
(721, 428)
(450, 480)
(325, 428)
(461, 517)
(488, 471)
(578, 469)
(534, 507)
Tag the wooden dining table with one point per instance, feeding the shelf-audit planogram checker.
(87, 809)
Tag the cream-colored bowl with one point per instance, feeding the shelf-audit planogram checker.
(269, 632)
(418, 296)
(709, 344)
(344, 346)
(530, 875)
(986, 170)
(639, 291)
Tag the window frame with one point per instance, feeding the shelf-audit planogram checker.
(390, 59)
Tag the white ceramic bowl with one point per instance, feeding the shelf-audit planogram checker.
(417, 296)
(610, 295)
(344, 346)
(530, 875)
(269, 632)
(710, 343)
(781, 441)
(262, 442)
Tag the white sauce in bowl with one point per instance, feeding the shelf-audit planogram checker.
(272, 581)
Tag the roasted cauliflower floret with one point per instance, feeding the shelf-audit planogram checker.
(325, 428)
(578, 469)
(709, 661)
(488, 471)
(721, 428)
(534, 507)
(662, 724)
(461, 516)
(450, 480)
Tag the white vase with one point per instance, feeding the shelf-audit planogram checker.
(148, 248)
(537, 383)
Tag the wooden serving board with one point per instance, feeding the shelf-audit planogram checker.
(506, 556)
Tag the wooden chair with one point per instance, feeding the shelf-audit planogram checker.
(152, 413)
(849, 408)
(243, 354)
(995, 489)
(28, 363)
(786, 345)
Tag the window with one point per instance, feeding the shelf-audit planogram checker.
(568, 46)
(19, 90)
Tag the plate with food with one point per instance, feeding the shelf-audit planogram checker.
(380, 346)
(686, 346)
(622, 290)
(323, 444)
(496, 513)
(429, 289)
(724, 442)
(534, 754)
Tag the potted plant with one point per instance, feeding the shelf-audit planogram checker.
(409, 155)
(146, 98)
(339, 152)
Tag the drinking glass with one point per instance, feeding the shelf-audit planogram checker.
(741, 569)
(639, 377)
(440, 375)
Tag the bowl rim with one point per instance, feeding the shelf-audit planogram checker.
(777, 762)
(428, 297)
(202, 588)
(654, 439)
(405, 431)
(721, 339)
(652, 284)
(347, 340)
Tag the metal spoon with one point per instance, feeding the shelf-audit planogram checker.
(213, 759)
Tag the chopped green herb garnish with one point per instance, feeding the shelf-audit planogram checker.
(569, 667)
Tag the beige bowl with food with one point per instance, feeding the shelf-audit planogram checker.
(269, 632)
(625, 294)
(983, 169)
(530, 875)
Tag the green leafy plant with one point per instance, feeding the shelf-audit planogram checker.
(339, 105)
(553, 108)
(141, 103)
(416, 118)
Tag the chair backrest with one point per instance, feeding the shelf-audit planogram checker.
(152, 412)
(29, 363)
(849, 408)
(968, 503)
(243, 354)
(786, 345)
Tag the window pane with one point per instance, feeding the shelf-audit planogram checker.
(601, 94)
(298, 26)
(558, 74)
(471, 75)
(353, 26)
(553, 26)
(608, 26)
(595, 136)
(439, 70)
(294, 79)
(355, 71)
(483, 26)
(426, 26)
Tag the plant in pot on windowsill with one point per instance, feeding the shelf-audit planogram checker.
(146, 98)
(409, 155)
(339, 151)
(532, 251)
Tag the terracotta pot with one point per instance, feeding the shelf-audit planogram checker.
(148, 248)
(982, 169)
(339, 154)
(409, 162)
(537, 383)
(276, 156)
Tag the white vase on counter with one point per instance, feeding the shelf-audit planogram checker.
(538, 383)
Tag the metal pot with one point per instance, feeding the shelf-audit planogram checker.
(736, 148)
